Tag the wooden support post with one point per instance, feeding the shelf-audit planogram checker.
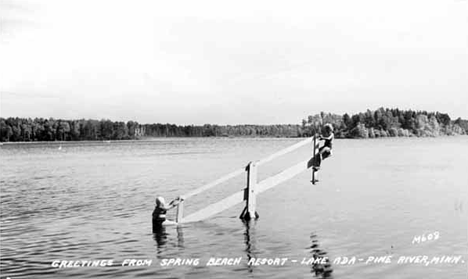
(250, 194)
(251, 190)
(314, 151)
(180, 211)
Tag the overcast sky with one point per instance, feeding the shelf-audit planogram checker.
(230, 62)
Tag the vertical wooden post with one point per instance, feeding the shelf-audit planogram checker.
(314, 159)
(180, 211)
(250, 193)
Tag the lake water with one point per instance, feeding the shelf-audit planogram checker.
(93, 201)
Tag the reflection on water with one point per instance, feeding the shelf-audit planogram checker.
(180, 236)
(160, 235)
(319, 269)
(249, 239)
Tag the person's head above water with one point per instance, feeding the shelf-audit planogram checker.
(160, 201)
(328, 127)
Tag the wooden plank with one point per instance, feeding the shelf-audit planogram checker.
(284, 151)
(240, 171)
(214, 183)
(251, 190)
(283, 176)
(215, 208)
(237, 198)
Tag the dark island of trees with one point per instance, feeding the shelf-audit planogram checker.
(388, 123)
(370, 124)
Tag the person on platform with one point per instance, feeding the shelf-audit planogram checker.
(326, 150)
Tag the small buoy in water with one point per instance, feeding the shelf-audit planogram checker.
(60, 147)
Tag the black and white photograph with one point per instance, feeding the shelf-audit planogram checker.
(233, 139)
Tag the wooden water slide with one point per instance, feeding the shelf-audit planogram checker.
(251, 191)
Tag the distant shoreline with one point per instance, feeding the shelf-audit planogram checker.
(139, 139)
(168, 138)
(382, 122)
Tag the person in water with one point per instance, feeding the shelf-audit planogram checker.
(159, 212)
(326, 150)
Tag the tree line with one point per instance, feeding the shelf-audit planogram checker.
(40, 129)
(378, 123)
(385, 122)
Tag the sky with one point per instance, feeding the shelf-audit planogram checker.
(230, 62)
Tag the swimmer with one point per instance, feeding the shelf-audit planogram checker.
(159, 213)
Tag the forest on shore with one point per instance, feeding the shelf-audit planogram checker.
(382, 122)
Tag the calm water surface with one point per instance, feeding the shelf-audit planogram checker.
(91, 201)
